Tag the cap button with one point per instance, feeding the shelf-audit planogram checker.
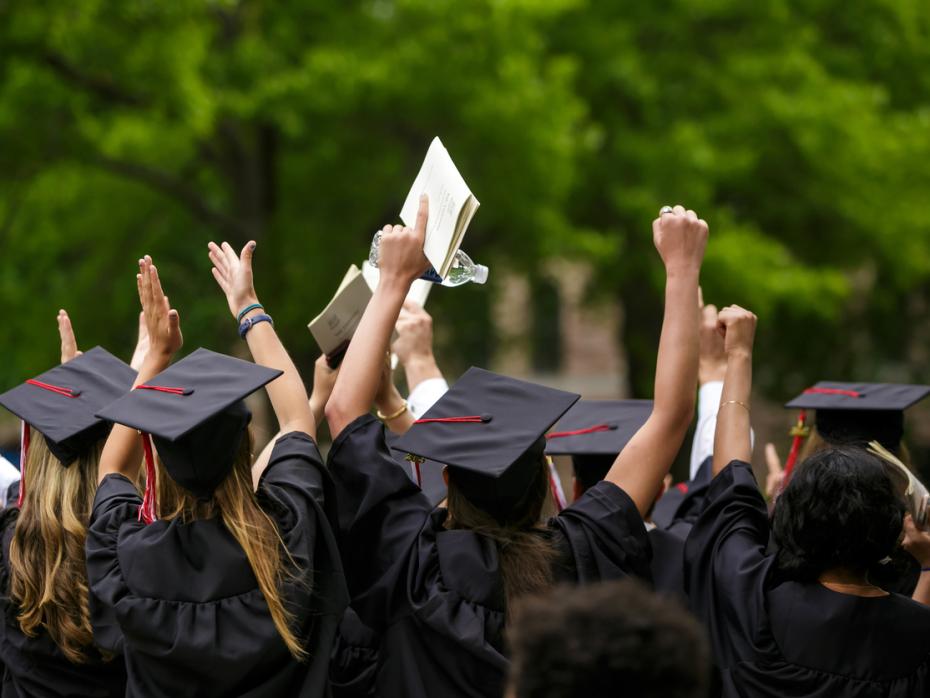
(485, 418)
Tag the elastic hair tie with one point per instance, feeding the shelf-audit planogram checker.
(248, 309)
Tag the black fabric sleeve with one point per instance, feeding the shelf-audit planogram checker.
(116, 504)
(606, 535)
(726, 565)
(381, 511)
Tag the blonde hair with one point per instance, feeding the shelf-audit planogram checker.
(526, 554)
(48, 571)
(235, 503)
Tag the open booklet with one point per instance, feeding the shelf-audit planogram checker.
(451, 206)
(334, 326)
(912, 489)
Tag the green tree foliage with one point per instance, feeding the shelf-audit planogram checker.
(800, 129)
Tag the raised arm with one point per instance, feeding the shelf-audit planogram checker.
(401, 262)
(122, 452)
(732, 440)
(288, 396)
(680, 238)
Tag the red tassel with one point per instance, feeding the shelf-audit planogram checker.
(578, 432)
(163, 389)
(147, 509)
(800, 432)
(472, 418)
(23, 453)
(555, 493)
(67, 392)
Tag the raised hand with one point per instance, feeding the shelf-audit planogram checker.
(142, 345)
(775, 477)
(324, 379)
(737, 327)
(680, 238)
(69, 348)
(712, 356)
(401, 257)
(163, 324)
(234, 274)
(414, 333)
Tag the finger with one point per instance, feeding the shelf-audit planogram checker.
(217, 257)
(386, 230)
(245, 257)
(422, 216)
(700, 297)
(231, 256)
(411, 306)
(174, 321)
(679, 210)
(910, 528)
(146, 285)
(721, 328)
(709, 315)
(157, 291)
(221, 280)
(691, 215)
(66, 334)
(397, 229)
(772, 459)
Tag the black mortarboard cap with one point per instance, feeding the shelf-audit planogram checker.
(489, 430)
(430, 472)
(593, 432)
(62, 402)
(856, 413)
(198, 418)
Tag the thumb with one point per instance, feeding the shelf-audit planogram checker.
(246, 255)
(174, 320)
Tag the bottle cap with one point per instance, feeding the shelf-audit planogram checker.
(481, 274)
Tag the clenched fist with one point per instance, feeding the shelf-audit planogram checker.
(737, 326)
(680, 238)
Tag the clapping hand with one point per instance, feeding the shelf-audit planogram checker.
(163, 324)
(69, 348)
(234, 274)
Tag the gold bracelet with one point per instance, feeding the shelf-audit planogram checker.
(388, 417)
(737, 402)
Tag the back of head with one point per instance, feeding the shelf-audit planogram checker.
(525, 553)
(608, 639)
(48, 576)
(839, 510)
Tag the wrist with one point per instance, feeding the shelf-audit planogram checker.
(423, 366)
(739, 355)
(685, 271)
(244, 303)
(393, 283)
(710, 371)
(390, 403)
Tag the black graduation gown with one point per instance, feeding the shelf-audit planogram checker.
(786, 639)
(435, 595)
(35, 666)
(354, 665)
(668, 562)
(190, 615)
(678, 509)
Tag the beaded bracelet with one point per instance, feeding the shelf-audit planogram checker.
(249, 323)
(248, 309)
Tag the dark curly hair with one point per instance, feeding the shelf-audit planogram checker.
(607, 639)
(840, 509)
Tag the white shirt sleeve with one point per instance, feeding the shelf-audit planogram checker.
(8, 475)
(425, 395)
(708, 405)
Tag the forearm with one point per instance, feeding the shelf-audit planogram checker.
(394, 404)
(732, 439)
(420, 368)
(360, 374)
(122, 452)
(922, 592)
(677, 360)
(646, 459)
(287, 394)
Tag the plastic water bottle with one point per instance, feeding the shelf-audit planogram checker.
(461, 272)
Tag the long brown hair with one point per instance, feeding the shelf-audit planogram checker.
(234, 501)
(526, 554)
(48, 571)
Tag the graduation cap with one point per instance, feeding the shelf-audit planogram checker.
(854, 414)
(593, 432)
(426, 473)
(62, 402)
(488, 429)
(195, 413)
